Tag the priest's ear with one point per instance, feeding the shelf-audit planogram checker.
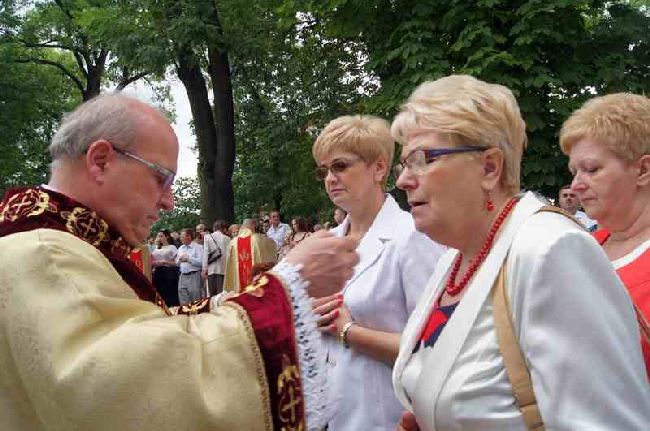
(99, 156)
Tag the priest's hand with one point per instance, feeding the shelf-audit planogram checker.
(407, 423)
(327, 262)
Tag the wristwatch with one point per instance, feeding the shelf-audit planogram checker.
(343, 334)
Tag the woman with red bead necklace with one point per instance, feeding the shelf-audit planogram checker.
(536, 273)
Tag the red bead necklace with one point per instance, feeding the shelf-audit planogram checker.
(454, 289)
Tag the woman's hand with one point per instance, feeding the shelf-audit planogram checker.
(407, 422)
(328, 310)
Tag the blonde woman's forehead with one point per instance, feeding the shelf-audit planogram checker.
(335, 155)
(423, 138)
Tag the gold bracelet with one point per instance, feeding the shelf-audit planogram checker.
(343, 334)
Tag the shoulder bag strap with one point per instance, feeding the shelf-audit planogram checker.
(552, 209)
(216, 243)
(643, 324)
(513, 357)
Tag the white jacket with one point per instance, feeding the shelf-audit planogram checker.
(395, 263)
(575, 324)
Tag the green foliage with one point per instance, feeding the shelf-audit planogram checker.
(187, 205)
(289, 82)
(32, 102)
(297, 64)
(553, 54)
(81, 29)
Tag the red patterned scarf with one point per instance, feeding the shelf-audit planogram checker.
(244, 260)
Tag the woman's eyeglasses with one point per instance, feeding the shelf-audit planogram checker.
(417, 160)
(337, 167)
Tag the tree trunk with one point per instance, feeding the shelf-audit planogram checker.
(220, 184)
(93, 83)
(189, 72)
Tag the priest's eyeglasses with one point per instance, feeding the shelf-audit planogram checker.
(165, 176)
(417, 160)
(337, 167)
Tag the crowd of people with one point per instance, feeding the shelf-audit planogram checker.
(193, 264)
(484, 308)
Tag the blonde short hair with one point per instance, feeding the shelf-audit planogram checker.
(620, 122)
(364, 135)
(467, 111)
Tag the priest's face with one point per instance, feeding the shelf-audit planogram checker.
(138, 190)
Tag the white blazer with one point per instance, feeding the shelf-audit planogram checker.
(575, 325)
(395, 263)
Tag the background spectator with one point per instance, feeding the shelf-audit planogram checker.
(568, 200)
(215, 248)
(164, 268)
(190, 262)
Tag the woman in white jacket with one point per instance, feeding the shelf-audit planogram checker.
(363, 324)
(571, 318)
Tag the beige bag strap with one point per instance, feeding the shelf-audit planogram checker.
(513, 358)
(552, 209)
(643, 324)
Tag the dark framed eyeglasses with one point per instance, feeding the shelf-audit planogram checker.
(165, 176)
(417, 160)
(337, 167)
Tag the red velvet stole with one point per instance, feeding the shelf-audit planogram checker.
(271, 316)
(244, 261)
(26, 209)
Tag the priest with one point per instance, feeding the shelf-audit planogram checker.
(85, 340)
(245, 251)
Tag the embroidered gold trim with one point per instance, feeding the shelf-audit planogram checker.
(196, 307)
(259, 361)
(290, 394)
(30, 203)
(86, 224)
(302, 424)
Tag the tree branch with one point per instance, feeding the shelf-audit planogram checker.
(125, 81)
(80, 63)
(59, 66)
(48, 45)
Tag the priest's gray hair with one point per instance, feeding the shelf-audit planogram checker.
(108, 116)
(249, 223)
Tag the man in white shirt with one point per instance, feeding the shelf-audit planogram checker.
(569, 202)
(190, 261)
(215, 245)
(278, 231)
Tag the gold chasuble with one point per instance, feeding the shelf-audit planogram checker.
(87, 344)
(244, 252)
